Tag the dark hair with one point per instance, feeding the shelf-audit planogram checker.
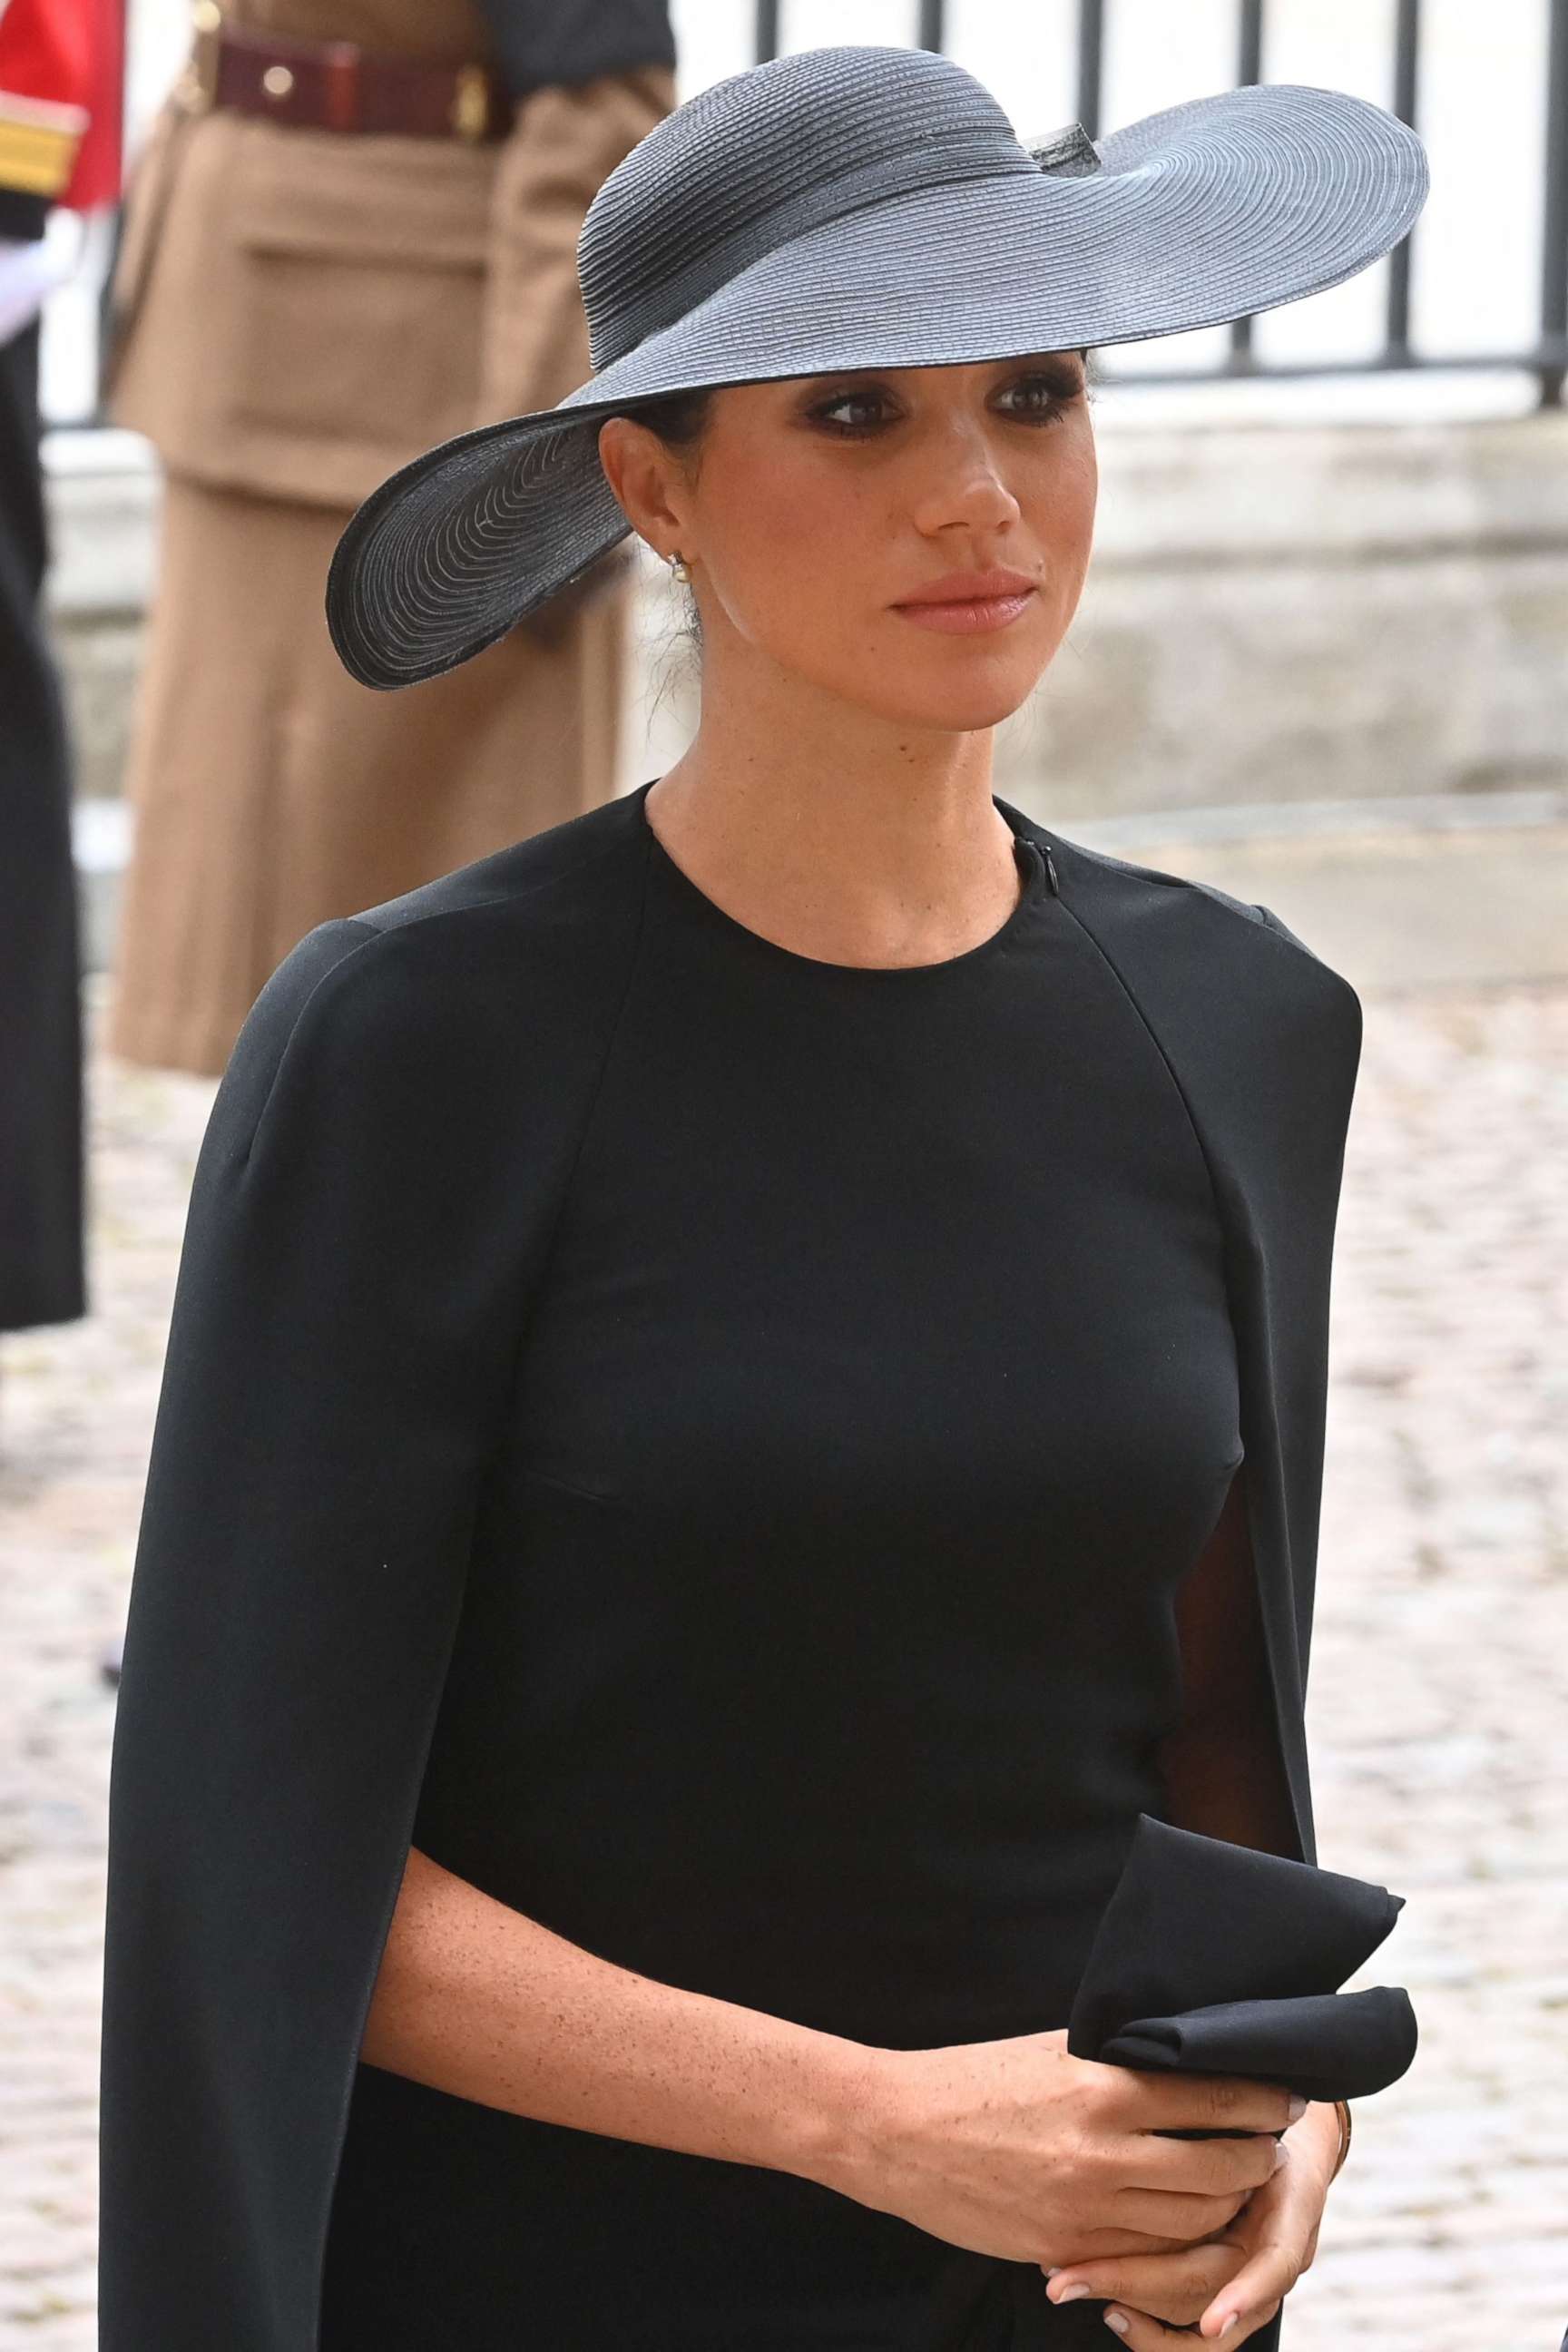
(680, 419)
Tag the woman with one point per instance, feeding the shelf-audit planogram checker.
(698, 1486)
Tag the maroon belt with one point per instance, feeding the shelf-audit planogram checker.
(336, 86)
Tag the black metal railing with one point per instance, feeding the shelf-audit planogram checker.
(1546, 359)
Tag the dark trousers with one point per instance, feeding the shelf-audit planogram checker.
(42, 1277)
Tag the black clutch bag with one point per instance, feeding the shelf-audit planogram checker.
(1214, 1958)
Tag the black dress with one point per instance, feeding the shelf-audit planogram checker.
(880, 1392)
(726, 1502)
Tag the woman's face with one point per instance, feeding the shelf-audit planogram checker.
(823, 515)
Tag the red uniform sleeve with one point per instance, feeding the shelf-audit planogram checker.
(62, 70)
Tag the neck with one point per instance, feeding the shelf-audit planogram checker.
(836, 832)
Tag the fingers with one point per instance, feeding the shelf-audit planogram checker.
(1256, 2293)
(1141, 2333)
(1103, 2245)
(1143, 2100)
(1175, 2288)
(1216, 2168)
(1170, 2213)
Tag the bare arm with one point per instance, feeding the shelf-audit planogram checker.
(478, 1999)
(1010, 2147)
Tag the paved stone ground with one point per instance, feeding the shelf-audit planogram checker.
(1439, 1704)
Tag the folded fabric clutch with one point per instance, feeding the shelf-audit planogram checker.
(1214, 1958)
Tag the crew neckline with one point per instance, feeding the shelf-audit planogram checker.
(1027, 850)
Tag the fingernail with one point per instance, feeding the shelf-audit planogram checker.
(1114, 2319)
(1281, 2154)
(1054, 2268)
(1230, 2323)
(1298, 2107)
(1074, 2294)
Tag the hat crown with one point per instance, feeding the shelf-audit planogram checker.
(765, 156)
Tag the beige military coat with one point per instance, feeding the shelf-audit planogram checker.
(295, 313)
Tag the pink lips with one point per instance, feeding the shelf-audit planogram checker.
(965, 602)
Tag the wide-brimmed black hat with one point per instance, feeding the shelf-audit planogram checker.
(855, 208)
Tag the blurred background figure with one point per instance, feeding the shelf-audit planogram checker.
(351, 232)
(61, 68)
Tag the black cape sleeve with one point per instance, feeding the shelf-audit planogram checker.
(368, 1208)
(1263, 1041)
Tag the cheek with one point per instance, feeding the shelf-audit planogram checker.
(799, 555)
(802, 556)
(1056, 503)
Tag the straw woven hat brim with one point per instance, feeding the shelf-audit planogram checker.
(1205, 212)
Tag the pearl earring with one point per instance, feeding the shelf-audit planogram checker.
(679, 570)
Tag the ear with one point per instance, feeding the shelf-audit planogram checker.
(649, 484)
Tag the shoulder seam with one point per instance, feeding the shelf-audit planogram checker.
(1261, 917)
(491, 898)
(376, 933)
(350, 955)
(1157, 875)
(612, 1032)
(1109, 960)
(372, 933)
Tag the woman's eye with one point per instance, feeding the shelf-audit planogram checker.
(832, 412)
(1038, 396)
(1032, 398)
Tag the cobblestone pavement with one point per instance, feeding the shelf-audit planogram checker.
(1438, 1706)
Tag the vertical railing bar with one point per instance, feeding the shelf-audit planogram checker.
(1407, 67)
(1248, 69)
(1091, 63)
(103, 319)
(1555, 218)
(931, 30)
(767, 30)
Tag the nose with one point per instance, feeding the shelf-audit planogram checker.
(964, 489)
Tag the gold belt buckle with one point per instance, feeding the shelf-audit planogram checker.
(470, 114)
(197, 86)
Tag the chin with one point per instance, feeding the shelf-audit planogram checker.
(952, 706)
(954, 684)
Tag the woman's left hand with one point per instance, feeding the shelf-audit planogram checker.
(1231, 2283)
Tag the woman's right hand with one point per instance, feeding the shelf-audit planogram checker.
(1019, 2150)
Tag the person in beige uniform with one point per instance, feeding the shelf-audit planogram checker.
(352, 232)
